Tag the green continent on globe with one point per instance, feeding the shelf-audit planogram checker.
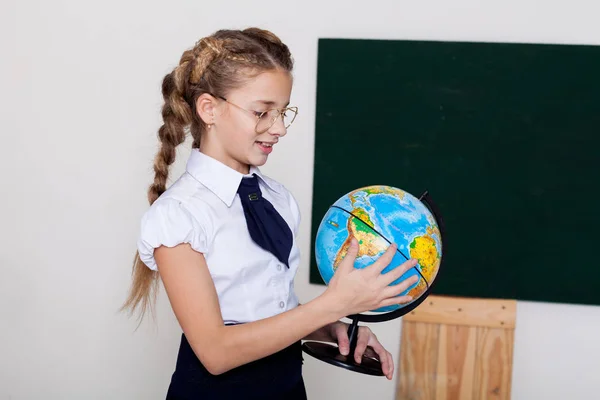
(370, 244)
(364, 217)
(423, 249)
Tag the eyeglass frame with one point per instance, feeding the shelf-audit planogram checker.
(258, 117)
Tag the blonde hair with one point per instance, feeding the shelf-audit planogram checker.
(216, 64)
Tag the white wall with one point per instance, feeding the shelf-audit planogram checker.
(80, 107)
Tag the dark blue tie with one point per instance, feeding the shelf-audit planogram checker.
(267, 228)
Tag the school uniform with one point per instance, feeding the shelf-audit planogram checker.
(210, 207)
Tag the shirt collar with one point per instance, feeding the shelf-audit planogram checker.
(220, 179)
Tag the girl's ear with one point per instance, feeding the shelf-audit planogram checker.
(205, 107)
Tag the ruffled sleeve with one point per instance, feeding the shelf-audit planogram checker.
(168, 223)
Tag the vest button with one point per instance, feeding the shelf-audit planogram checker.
(281, 304)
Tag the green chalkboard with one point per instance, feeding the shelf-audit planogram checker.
(504, 136)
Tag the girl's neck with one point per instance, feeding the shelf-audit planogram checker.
(222, 156)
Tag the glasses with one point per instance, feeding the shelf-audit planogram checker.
(266, 119)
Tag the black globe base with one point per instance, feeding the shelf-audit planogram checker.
(331, 354)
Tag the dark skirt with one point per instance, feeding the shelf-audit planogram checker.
(278, 376)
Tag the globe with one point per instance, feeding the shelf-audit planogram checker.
(378, 216)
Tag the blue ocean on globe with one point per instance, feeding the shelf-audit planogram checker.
(378, 216)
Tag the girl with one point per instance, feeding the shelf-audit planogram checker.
(222, 238)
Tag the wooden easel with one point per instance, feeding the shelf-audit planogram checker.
(456, 348)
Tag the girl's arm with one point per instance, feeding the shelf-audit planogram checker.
(220, 348)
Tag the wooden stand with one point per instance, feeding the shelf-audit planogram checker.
(457, 348)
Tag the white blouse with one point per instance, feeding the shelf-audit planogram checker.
(202, 208)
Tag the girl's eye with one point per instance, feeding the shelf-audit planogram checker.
(258, 113)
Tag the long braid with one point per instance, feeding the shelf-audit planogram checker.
(214, 65)
(176, 114)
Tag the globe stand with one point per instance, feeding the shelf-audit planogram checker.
(330, 353)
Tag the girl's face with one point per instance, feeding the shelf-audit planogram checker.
(233, 138)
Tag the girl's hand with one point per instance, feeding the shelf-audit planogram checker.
(352, 290)
(366, 344)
